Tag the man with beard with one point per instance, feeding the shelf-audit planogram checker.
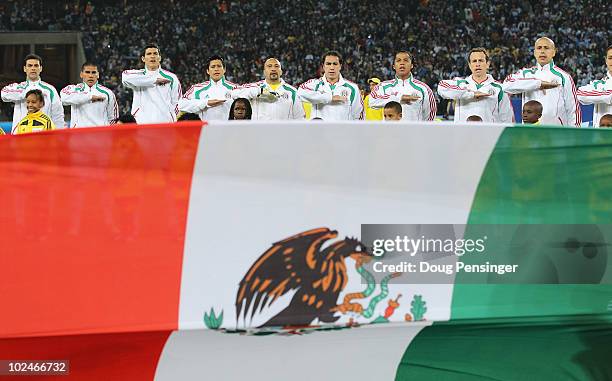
(272, 98)
(416, 98)
(478, 94)
(91, 104)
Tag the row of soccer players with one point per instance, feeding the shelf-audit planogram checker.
(157, 95)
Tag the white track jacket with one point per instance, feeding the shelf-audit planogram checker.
(496, 108)
(423, 109)
(280, 104)
(16, 93)
(196, 99)
(153, 103)
(84, 112)
(560, 104)
(319, 92)
(598, 93)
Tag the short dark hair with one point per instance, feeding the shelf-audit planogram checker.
(124, 118)
(32, 57)
(395, 106)
(247, 104)
(609, 48)
(332, 53)
(479, 50)
(534, 103)
(215, 58)
(188, 116)
(88, 63)
(150, 45)
(38, 93)
(404, 52)
(474, 118)
(605, 116)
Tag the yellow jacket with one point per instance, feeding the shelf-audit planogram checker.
(35, 122)
(370, 113)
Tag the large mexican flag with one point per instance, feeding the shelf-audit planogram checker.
(232, 251)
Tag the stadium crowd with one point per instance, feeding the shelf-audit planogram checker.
(439, 33)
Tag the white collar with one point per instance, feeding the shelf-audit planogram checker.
(409, 79)
(282, 82)
(547, 66)
(339, 83)
(485, 82)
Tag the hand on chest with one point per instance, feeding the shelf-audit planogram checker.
(479, 90)
(549, 76)
(270, 95)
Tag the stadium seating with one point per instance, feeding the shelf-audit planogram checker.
(246, 32)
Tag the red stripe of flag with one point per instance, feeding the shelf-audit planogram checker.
(125, 356)
(92, 229)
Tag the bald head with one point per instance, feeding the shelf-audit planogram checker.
(551, 42)
(272, 70)
(544, 50)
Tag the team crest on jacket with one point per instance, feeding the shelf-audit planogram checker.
(303, 282)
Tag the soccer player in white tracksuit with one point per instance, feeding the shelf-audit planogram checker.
(156, 91)
(212, 99)
(478, 94)
(91, 104)
(272, 98)
(417, 99)
(599, 92)
(549, 85)
(332, 97)
(16, 92)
